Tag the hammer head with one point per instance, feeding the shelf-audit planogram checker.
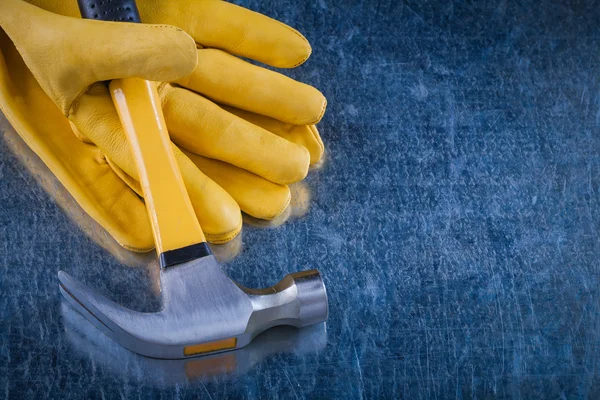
(203, 311)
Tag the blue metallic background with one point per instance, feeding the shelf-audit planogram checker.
(456, 222)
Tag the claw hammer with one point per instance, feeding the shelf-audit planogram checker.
(203, 311)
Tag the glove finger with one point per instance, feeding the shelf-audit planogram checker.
(66, 55)
(59, 194)
(219, 25)
(202, 127)
(96, 117)
(218, 213)
(229, 80)
(232, 28)
(268, 223)
(256, 196)
(304, 135)
(80, 167)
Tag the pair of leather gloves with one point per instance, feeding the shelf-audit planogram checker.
(241, 133)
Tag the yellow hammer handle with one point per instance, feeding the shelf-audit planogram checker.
(174, 222)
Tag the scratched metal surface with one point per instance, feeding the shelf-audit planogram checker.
(456, 222)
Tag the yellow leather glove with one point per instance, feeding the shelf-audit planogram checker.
(194, 122)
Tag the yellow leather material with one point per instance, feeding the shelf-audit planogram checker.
(245, 187)
(132, 183)
(63, 199)
(225, 26)
(229, 80)
(80, 167)
(171, 213)
(235, 158)
(204, 128)
(306, 136)
(96, 119)
(217, 24)
(102, 51)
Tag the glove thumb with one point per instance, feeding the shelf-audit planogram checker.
(67, 55)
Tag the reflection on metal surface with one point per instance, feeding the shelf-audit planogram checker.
(319, 164)
(210, 347)
(46, 179)
(298, 207)
(301, 196)
(100, 349)
(201, 305)
(265, 223)
(227, 251)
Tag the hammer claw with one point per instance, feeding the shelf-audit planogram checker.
(80, 297)
(203, 310)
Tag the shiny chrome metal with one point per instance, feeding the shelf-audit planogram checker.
(91, 344)
(200, 304)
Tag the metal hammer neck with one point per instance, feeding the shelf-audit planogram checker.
(184, 254)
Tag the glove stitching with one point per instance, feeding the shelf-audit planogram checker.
(298, 34)
(282, 209)
(136, 249)
(228, 235)
(322, 111)
(314, 120)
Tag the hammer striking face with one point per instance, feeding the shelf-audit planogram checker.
(203, 311)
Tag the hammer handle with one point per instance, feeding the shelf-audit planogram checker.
(174, 222)
(177, 233)
(109, 10)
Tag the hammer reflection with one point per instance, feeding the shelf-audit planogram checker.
(298, 207)
(92, 343)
